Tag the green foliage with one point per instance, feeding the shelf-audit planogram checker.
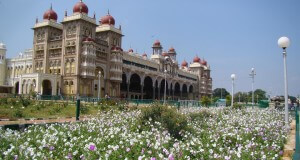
(228, 100)
(205, 101)
(3, 101)
(84, 109)
(237, 106)
(200, 116)
(220, 93)
(24, 101)
(18, 113)
(170, 118)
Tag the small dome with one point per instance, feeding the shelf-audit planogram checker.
(2, 46)
(80, 7)
(165, 54)
(171, 49)
(130, 50)
(204, 62)
(50, 14)
(156, 43)
(108, 19)
(184, 64)
(144, 55)
(197, 59)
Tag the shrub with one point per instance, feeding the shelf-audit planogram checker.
(84, 109)
(173, 121)
(18, 113)
(199, 116)
(24, 101)
(237, 106)
(3, 101)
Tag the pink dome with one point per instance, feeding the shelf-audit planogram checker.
(50, 14)
(184, 64)
(197, 59)
(108, 19)
(80, 7)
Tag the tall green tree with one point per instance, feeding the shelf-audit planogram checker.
(241, 97)
(205, 101)
(220, 93)
(259, 94)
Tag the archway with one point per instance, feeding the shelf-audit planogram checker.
(17, 88)
(123, 86)
(148, 89)
(135, 84)
(177, 90)
(96, 82)
(47, 88)
(162, 89)
(184, 91)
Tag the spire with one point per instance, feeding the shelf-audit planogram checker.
(36, 20)
(108, 11)
(66, 13)
(94, 15)
(80, 0)
(50, 6)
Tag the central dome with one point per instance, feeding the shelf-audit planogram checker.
(108, 19)
(80, 7)
(196, 59)
(50, 14)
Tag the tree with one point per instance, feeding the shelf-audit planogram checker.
(221, 93)
(241, 97)
(259, 94)
(205, 101)
(228, 100)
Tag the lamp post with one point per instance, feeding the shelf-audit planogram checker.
(99, 86)
(284, 42)
(252, 74)
(232, 78)
(165, 72)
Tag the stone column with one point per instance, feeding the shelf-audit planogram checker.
(128, 90)
(180, 94)
(158, 95)
(153, 97)
(142, 92)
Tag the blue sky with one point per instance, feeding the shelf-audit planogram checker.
(232, 35)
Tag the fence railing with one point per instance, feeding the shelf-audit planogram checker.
(297, 135)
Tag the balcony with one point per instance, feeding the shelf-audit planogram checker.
(119, 79)
(116, 70)
(115, 60)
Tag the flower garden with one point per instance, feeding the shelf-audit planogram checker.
(152, 133)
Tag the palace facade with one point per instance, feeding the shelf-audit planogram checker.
(75, 56)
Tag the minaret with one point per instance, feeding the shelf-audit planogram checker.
(157, 48)
(2, 63)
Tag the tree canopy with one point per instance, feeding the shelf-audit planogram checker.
(220, 93)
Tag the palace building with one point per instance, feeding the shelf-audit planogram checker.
(70, 57)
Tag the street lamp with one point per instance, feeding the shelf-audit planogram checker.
(284, 42)
(232, 78)
(99, 87)
(252, 74)
(165, 72)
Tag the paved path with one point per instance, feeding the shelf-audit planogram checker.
(58, 120)
(290, 145)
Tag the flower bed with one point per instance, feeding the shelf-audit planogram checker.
(219, 133)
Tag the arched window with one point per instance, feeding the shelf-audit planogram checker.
(72, 66)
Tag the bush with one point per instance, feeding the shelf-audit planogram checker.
(237, 106)
(18, 113)
(199, 116)
(173, 121)
(84, 109)
(24, 102)
(3, 101)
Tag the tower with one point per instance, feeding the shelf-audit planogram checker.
(2, 63)
(108, 33)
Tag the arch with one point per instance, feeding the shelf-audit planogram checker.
(47, 88)
(135, 83)
(177, 89)
(162, 88)
(148, 89)
(191, 89)
(17, 85)
(184, 91)
(123, 86)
